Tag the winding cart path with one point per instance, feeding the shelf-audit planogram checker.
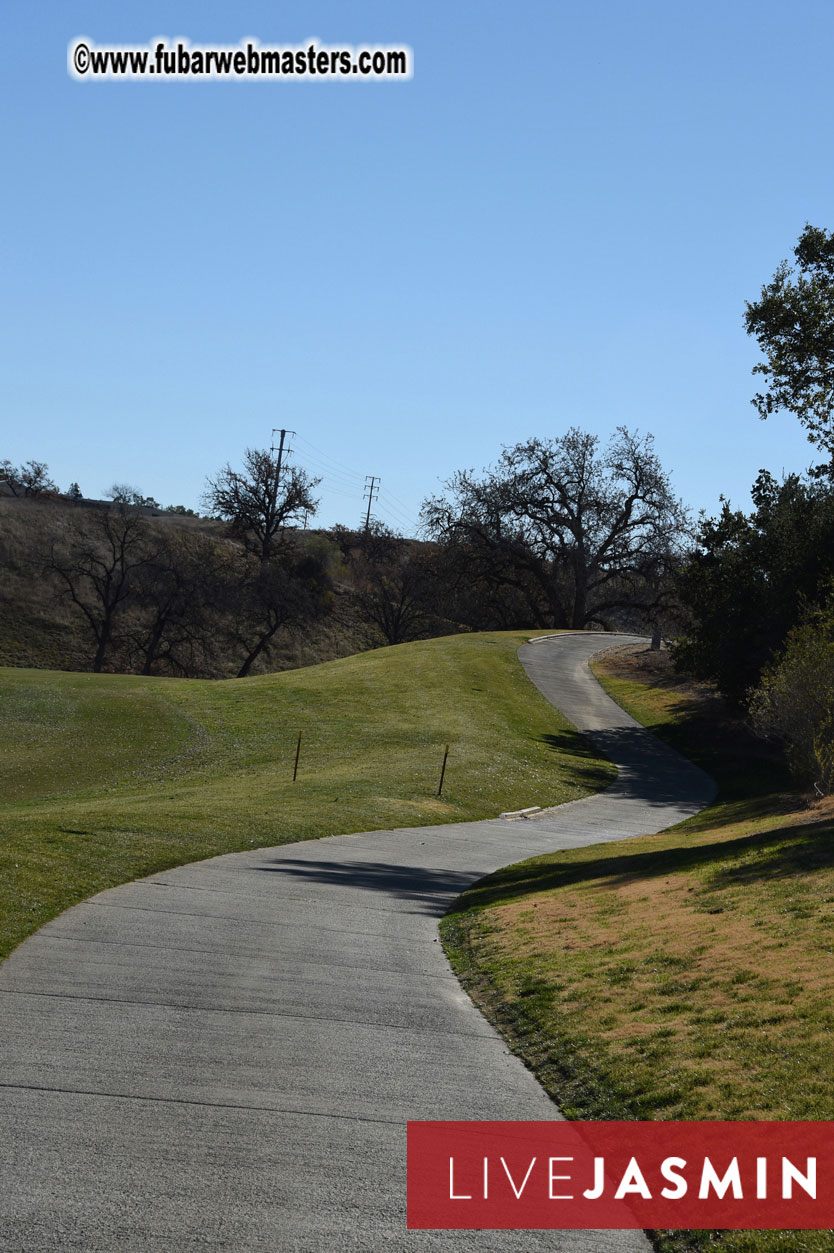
(224, 1056)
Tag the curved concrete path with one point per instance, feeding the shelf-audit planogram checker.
(224, 1056)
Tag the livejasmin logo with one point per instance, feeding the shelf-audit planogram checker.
(492, 1175)
(633, 1181)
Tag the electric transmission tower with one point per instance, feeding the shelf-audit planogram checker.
(372, 482)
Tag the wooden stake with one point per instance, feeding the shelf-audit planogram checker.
(443, 771)
(297, 755)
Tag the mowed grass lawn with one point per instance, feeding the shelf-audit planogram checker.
(104, 778)
(688, 975)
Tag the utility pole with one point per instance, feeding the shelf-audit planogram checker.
(276, 484)
(372, 488)
(283, 433)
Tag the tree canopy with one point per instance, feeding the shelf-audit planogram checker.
(262, 499)
(581, 530)
(30, 479)
(793, 322)
(751, 577)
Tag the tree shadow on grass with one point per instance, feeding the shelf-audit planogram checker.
(790, 850)
(595, 774)
(431, 890)
(572, 743)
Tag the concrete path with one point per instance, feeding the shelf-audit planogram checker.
(224, 1056)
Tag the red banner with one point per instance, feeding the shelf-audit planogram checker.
(559, 1175)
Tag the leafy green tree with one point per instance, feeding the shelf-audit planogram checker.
(746, 584)
(793, 322)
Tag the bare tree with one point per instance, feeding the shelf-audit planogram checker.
(396, 586)
(261, 500)
(593, 531)
(271, 596)
(30, 479)
(127, 494)
(97, 564)
(174, 593)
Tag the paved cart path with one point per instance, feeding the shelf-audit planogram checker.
(224, 1056)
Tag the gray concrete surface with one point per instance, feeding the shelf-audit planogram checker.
(224, 1056)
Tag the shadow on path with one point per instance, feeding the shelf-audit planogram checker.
(649, 771)
(431, 889)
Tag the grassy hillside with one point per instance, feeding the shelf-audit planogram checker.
(108, 777)
(40, 627)
(685, 975)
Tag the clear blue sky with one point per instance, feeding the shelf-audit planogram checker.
(556, 222)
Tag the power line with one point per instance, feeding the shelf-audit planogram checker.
(395, 507)
(336, 467)
(327, 476)
(396, 500)
(396, 515)
(339, 491)
(398, 505)
(327, 467)
(337, 479)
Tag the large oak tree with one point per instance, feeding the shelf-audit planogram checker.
(591, 530)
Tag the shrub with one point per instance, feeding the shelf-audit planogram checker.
(794, 702)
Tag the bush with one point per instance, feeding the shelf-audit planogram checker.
(794, 701)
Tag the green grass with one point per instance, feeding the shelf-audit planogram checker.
(109, 777)
(685, 975)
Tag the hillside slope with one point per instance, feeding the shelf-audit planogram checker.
(107, 777)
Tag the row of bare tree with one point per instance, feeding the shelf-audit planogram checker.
(561, 533)
(164, 598)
